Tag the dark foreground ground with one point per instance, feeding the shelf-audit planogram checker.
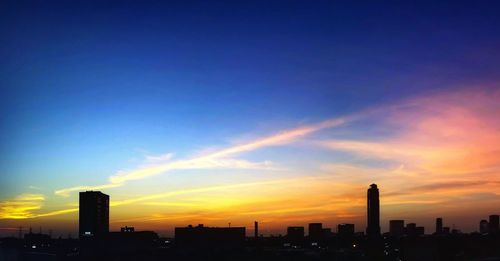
(436, 247)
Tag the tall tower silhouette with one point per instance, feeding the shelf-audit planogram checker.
(373, 209)
(439, 225)
(256, 229)
(94, 214)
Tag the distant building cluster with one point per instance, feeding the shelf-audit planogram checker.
(404, 241)
(94, 221)
(491, 226)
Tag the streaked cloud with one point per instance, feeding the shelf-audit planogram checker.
(57, 212)
(215, 159)
(159, 158)
(26, 206)
(34, 187)
(67, 191)
(22, 206)
(446, 145)
(172, 204)
(208, 189)
(149, 198)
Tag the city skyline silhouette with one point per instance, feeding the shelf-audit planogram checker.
(403, 241)
(374, 212)
(94, 219)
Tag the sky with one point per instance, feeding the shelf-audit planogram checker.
(217, 112)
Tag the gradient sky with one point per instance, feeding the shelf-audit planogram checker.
(278, 111)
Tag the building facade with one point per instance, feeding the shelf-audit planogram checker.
(315, 231)
(373, 211)
(94, 214)
(397, 228)
(494, 224)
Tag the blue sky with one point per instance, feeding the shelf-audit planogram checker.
(89, 88)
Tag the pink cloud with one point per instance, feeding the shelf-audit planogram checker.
(448, 143)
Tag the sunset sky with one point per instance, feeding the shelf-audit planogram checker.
(217, 112)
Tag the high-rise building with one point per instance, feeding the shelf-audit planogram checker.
(397, 227)
(484, 226)
(419, 231)
(373, 209)
(295, 234)
(315, 231)
(446, 230)
(327, 232)
(411, 229)
(439, 225)
(94, 214)
(256, 229)
(493, 224)
(345, 230)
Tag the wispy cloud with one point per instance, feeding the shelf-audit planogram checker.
(67, 191)
(207, 189)
(149, 198)
(222, 158)
(446, 144)
(159, 158)
(458, 186)
(57, 212)
(172, 204)
(21, 206)
(26, 206)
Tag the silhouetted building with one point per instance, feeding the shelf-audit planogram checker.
(446, 230)
(439, 226)
(201, 237)
(256, 229)
(373, 209)
(484, 227)
(345, 230)
(94, 214)
(316, 231)
(327, 232)
(128, 243)
(295, 234)
(419, 231)
(493, 224)
(397, 227)
(411, 229)
(126, 229)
